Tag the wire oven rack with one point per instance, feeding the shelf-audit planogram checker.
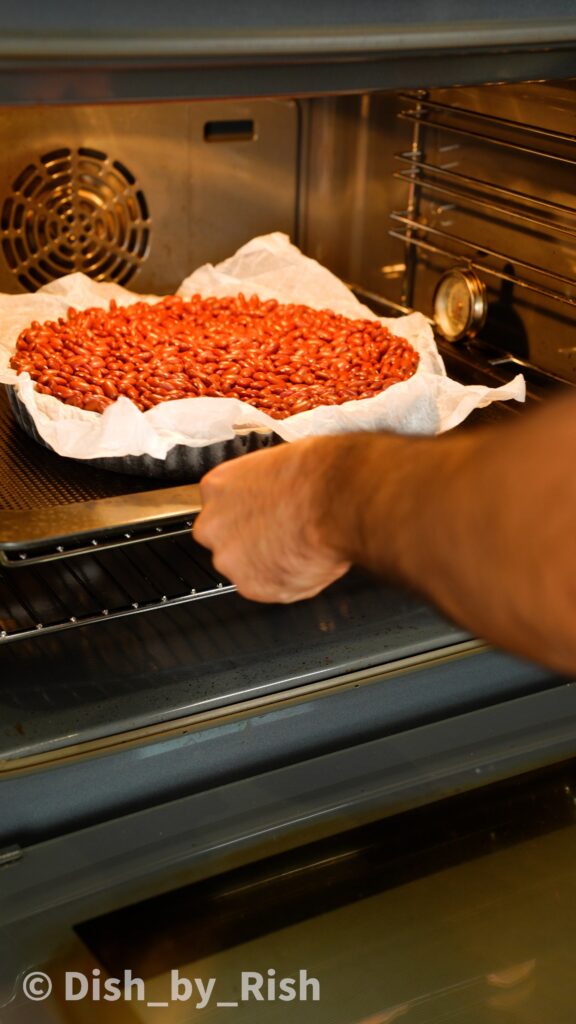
(439, 180)
(43, 598)
(52, 508)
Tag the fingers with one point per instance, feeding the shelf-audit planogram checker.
(206, 525)
(253, 522)
(279, 580)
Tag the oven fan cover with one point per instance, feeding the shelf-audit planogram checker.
(74, 210)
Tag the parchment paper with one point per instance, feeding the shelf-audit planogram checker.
(270, 267)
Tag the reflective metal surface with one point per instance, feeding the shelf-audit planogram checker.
(486, 182)
(348, 165)
(271, 28)
(493, 171)
(461, 911)
(478, 942)
(99, 680)
(85, 520)
(116, 581)
(203, 198)
(459, 304)
(74, 210)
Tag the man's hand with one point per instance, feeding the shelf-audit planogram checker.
(481, 522)
(266, 520)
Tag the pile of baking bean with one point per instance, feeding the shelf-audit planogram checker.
(280, 358)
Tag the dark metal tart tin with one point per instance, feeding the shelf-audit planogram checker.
(181, 463)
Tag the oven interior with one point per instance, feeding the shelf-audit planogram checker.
(101, 577)
(148, 712)
(390, 191)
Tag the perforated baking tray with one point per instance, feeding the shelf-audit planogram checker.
(51, 507)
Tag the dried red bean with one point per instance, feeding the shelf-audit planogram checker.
(96, 404)
(110, 389)
(283, 358)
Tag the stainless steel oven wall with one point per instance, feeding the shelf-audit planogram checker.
(493, 171)
(480, 176)
(141, 193)
(349, 189)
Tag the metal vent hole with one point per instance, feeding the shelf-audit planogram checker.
(74, 210)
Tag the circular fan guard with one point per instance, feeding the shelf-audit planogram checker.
(75, 210)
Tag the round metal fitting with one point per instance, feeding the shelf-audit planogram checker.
(460, 304)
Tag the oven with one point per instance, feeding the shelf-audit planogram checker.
(190, 781)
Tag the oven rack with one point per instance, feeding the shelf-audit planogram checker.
(424, 105)
(71, 546)
(98, 587)
(452, 253)
(429, 179)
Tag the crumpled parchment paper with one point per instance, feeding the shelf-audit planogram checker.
(270, 267)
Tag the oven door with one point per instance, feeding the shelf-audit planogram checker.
(332, 885)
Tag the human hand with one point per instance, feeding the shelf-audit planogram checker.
(266, 518)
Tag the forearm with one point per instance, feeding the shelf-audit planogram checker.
(482, 523)
(394, 493)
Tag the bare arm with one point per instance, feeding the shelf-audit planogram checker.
(483, 524)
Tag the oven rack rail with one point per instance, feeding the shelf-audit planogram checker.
(480, 265)
(98, 587)
(74, 528)
(426, 178)
(424, 106)
(71, 547)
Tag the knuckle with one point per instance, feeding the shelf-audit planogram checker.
(201, 530)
